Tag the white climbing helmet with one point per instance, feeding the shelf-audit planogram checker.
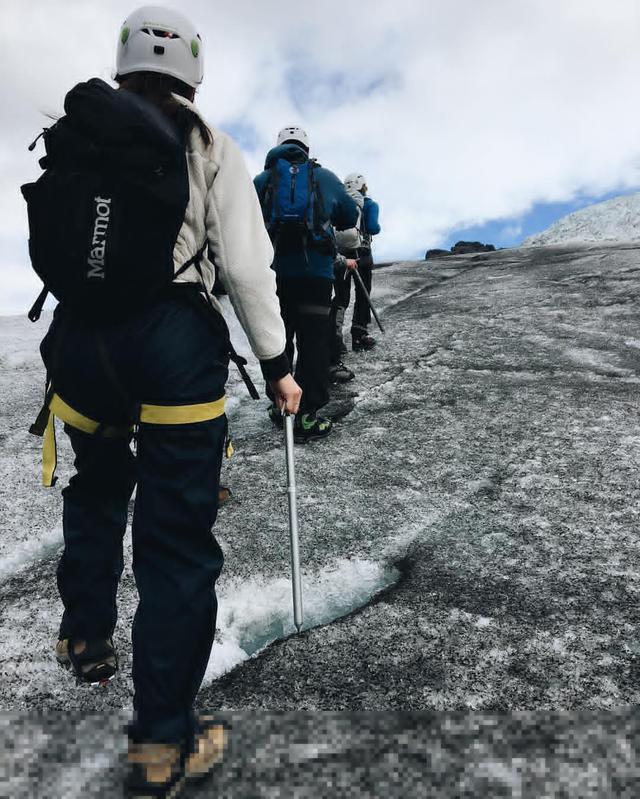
(293, 133)
(355, 181)
(157, 39)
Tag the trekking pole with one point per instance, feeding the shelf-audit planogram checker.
(366, 294)
(296, 580)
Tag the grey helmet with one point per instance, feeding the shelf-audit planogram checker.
(355, 181)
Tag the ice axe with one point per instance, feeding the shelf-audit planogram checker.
(296, 581)
(368, 298)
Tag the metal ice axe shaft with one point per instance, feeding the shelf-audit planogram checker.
(296, 580)
(368, 298)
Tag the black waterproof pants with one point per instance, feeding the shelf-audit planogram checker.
(339, 304)
(361, 310)
(342, 296)
(171, 355)
(304, 305)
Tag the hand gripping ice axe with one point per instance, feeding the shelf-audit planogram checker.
(368, 298)
(296, 580)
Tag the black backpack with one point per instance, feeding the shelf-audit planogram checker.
(105, 215)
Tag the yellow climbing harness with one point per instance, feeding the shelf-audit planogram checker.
(149, 414)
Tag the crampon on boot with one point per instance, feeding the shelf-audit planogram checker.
(309, 427)
(161, 771)
(92, 662)
(362, 341)
(339, 373)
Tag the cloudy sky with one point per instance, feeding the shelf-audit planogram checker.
(485, 117)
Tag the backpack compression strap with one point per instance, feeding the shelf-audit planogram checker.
(35, 311)
(193, 261)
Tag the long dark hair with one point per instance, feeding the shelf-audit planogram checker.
(158, 88)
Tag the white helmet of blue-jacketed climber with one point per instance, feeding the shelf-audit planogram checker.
(157, 39)
(355, 181)
(293, 133)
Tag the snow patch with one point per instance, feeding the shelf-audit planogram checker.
(31, 550)
(19, 343)
(256, 613)
(594, 359)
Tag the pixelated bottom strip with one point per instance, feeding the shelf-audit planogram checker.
(345, 754)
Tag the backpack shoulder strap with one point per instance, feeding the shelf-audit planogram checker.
(270, 193)
(320, 216)
(208, 305)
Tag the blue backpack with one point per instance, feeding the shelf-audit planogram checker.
(294, 207)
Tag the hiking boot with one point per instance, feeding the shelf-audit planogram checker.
(309, 427)
(92, 662)
(363, 342)
(208, 749)
(160, 771)
(275, 415)
(224, 495)
(339, 373)
(155, 771)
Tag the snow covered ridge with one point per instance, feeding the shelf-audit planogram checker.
(613, 220)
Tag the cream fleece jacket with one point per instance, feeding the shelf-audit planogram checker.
(224, 208)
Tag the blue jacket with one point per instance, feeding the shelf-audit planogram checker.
(339, 209)
(370, 211)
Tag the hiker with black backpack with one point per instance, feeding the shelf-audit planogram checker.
(139, 197)
(302, 203)
(356, 244)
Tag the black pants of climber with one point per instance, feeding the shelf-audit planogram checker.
(170, 355)
(361, 310)
(304, 305)
(340, 302)
(342, 296)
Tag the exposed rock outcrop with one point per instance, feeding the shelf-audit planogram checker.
(460, 248)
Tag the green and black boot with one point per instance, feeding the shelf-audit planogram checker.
(309, 427)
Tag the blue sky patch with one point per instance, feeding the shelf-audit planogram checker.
(243, 133)
(511, 232)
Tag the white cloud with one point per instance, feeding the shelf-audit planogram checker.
(458, 111)
(511, 231)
